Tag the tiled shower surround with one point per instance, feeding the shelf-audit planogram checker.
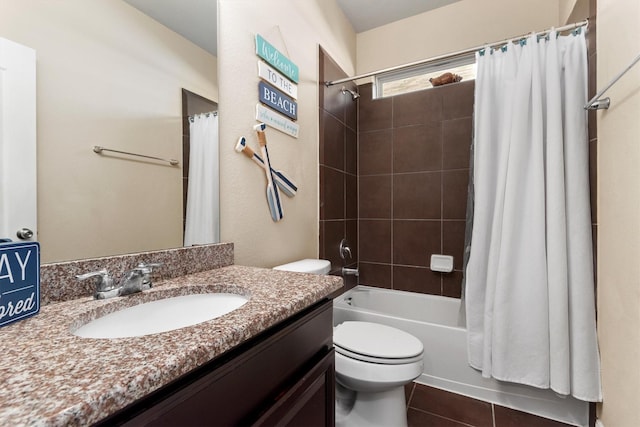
(338, 168)
(393, 181)
(408, 170)
(413, 156)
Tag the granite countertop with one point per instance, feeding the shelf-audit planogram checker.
(50, 377)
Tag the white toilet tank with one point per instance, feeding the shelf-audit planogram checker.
(313, 266)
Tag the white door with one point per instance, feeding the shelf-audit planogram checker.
(18, 196)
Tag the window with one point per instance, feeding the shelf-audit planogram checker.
(417, 77)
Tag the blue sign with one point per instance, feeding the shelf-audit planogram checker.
(277, 100)
(266, 51)
(19, 281)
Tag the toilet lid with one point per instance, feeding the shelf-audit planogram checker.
(376, 340)
(315, 266)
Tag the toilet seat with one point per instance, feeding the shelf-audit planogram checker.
(376, 343)
(379, 360)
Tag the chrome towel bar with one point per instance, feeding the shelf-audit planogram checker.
(98, 149)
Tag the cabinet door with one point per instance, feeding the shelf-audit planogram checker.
(310, 402)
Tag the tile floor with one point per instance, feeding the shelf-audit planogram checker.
(431, 407)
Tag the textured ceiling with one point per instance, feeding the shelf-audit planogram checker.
(196, 20)
(367, 14)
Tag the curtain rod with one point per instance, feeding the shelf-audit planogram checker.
(596, 103)
(451, 55)
(207, 114)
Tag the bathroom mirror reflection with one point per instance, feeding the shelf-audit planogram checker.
(110, 75)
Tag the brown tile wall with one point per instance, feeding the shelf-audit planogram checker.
(413, 157)
(338, 168)
(428, 406)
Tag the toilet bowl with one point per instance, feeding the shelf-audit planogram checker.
(373, 364)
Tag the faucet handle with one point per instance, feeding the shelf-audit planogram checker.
(104, 282)
(345, 250)
(146, 269)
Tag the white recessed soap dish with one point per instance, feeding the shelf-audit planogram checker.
(442, 263)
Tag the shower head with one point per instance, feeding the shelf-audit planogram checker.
(355, 95)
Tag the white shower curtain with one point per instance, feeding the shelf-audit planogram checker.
(202, 215)
(530, 302)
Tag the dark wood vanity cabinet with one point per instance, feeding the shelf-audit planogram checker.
(282, 377)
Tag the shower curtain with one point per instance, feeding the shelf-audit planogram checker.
(530, 302)
(202, 217)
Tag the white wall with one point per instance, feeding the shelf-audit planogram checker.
(566, 8)
(296, 28)
(106, 75)
(618, 42)
(573, 10)
(461, 25)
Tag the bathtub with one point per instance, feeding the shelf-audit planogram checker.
(434, 320)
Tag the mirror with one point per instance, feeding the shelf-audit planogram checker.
(109, 75)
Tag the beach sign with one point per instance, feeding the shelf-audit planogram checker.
(273, 56)
(276, 120)
(274, 78)
(277, 100)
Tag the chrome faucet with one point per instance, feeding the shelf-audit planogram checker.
(136, 280)
(345, 252)
(105, 287)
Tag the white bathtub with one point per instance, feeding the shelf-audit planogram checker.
(434, 320)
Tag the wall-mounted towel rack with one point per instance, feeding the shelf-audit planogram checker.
(596, 103)
(98, 149)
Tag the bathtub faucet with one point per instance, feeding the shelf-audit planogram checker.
(350, 271)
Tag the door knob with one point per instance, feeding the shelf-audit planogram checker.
(24, 234)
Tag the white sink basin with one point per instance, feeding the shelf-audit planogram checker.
(161, 316)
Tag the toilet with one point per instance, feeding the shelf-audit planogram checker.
(373, 364)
